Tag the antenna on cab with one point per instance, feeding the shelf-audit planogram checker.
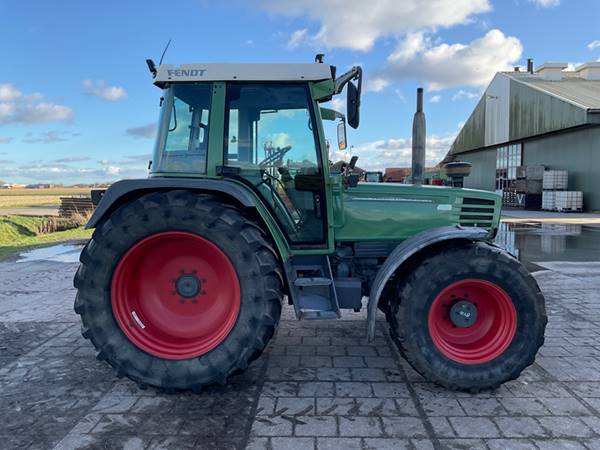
(164, 51)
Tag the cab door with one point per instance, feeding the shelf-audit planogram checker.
(272, 142)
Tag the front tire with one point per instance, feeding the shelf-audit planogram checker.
(178, 290)
(469, 317)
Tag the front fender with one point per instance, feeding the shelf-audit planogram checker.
(404, 251)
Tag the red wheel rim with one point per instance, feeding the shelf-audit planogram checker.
(175, 295)
(490, 334)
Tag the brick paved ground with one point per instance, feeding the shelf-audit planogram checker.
(320, 385)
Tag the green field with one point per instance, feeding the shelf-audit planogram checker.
(18, 233)
(20, 198)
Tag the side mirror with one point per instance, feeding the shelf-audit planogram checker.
(341, 135)
(353, 105)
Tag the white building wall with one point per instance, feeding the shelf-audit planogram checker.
(497, 110)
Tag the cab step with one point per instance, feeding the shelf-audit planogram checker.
(312, 288)
(319, 315)
(312, 281)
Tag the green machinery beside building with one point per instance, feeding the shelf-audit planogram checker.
(548, 117)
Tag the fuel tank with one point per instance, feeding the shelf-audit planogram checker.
(395, 211)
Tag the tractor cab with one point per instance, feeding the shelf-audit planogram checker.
(259, 124)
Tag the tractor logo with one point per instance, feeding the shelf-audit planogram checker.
(186, 72)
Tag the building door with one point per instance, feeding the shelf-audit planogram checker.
(508, 158)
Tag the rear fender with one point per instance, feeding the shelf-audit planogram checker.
(125, 190)
(406, 249)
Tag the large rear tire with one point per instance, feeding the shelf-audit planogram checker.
(469, 317)
(178, 290)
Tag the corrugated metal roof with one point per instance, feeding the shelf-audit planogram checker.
(573, 89)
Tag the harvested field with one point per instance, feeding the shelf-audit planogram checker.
(18, 198)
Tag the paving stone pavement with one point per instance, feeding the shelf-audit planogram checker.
(320, 385)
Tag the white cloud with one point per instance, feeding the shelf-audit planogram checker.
(339, 104)
(144, 131)
(400, 95)
(447, 65)
(70, 159)
(131, 160)
(375, 84)
(408, 48)
(464, 94)
(135, 159)
(63, 172)
(18, 108)
(594, 44)
(435, 99)
(545, 3)
(47, 137)
(9, 92)
(357, 24)
(280, 139)
(113, 170)
(43, 112)
(378, 155)
(98, 88)
(297, 38)
(5, 139)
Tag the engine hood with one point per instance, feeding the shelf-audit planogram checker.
(419, 190)
(395, 211)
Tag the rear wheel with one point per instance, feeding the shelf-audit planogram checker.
(178, 290)
(469, 317)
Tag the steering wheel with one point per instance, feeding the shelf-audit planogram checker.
(277, 155)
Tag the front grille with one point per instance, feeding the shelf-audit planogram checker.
(478, 201)
(477, 214)
(477, 210)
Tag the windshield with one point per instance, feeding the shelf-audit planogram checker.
(182, 142)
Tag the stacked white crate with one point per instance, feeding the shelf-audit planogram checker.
(569, 200)
(549, 200)
(555, 179)
(555, 197)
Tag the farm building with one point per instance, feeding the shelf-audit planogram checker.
(548, 117)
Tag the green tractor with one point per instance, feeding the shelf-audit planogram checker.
(182, 283)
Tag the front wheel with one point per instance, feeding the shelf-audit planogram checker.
(469, 318)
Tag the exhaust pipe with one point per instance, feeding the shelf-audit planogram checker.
(418, 141)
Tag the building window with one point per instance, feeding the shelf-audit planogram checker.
(508, 158)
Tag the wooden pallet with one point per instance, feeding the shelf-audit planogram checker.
(72, 206)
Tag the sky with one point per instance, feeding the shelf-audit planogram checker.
(77, 103)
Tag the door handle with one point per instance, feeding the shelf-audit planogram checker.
(317, 200)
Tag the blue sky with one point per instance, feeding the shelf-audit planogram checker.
(77, 103)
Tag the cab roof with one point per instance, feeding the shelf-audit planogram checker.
(168, 73)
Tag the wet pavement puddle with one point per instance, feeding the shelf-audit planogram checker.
(66, 253)
(537, 243)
